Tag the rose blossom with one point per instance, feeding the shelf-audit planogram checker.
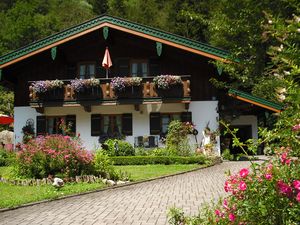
(242, 186)
(268, 176)
(298, 197)
(244, 172)
(296, 184)
(231, 217)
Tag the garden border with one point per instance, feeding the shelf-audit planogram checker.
(216, 161)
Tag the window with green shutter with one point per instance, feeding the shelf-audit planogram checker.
(127, 124)
(155, 126)
(186, 117)
(95, 125)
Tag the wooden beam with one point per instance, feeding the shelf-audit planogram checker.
(255, 103)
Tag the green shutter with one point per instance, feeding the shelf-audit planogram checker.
(154, 68)
(155, 126)
(123, 67)
(41, 125)
(95, 125)
(186, 117)
(127, 124)
(71, 119)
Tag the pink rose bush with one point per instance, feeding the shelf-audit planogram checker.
(51, 155)
(264, 194)
(267, 193)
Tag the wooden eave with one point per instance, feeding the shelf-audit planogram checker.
(243, 96)
(118, 24)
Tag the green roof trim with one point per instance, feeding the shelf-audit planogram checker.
(118, 22)
(260, 101)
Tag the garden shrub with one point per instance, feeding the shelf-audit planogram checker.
(6, 157)
(53, 154)
(264, 194)
(115, 147)
(144, 160)
(103, 165)
(227, 155)
(177, 138)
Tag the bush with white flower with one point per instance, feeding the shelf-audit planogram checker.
(167, 81)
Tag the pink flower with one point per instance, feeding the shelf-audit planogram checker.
(217, 212)
(227, 186)
(225, 204)
(244, 172)
(298, 197)
(296, 127)
(231, 217)
(268, 176)
(284, 188)
(296, 184)
(242, 186)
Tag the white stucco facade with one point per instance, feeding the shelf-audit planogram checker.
(203, 113)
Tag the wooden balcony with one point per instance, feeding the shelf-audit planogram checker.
(103, 94)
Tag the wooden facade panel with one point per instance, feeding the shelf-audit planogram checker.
(91, 47)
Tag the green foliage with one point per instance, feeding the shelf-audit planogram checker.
(6, 157)
(226, 155)
(104, 166)
(177, 138)
(144, 160)
(26, 21)
(115, 147)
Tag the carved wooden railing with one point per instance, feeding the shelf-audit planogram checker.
(104, 92)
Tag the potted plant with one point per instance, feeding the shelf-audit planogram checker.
(126, 87)
(168, 85)
(86, 88)
(50, 89)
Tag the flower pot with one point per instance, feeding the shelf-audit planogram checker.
(175, 91)
(130, 92)
(89, 93)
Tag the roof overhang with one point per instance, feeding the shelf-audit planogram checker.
(243, 96)
(118, 24)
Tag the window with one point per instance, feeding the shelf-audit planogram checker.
(87, 70)
(111, 125)
(159, 122)
(56, 125)
(139, 68)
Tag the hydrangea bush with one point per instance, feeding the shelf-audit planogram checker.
(79, 85)
(51, 155)
(166, 81)
(43, 86)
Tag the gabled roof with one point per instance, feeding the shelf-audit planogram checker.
(255, 100)
(118, 24)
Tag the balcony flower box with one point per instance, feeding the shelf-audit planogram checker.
(168, 86)
(127, 87)
(48, 89)
(86, 88)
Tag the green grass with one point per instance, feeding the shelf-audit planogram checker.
(12, 195)
(144, 172)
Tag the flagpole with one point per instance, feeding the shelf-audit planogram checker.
(106, 73)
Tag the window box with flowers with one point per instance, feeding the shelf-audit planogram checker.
(48, 89)
(127, 87)
(86, 88)
(168, 86)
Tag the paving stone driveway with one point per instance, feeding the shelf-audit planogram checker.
(144, 203)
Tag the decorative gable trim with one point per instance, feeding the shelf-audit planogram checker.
(261, 102)
(118, 24)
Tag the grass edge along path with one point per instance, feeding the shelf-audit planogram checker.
(13, 196)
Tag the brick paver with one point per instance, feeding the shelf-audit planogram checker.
(144, 203)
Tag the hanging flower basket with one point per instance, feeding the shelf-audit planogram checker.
(168, 86)
(86, 88)
(127, 87)
(48, 89)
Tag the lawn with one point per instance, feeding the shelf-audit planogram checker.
(144, 172)
(12, 195)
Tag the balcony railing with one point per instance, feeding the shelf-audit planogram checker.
(104, 93)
